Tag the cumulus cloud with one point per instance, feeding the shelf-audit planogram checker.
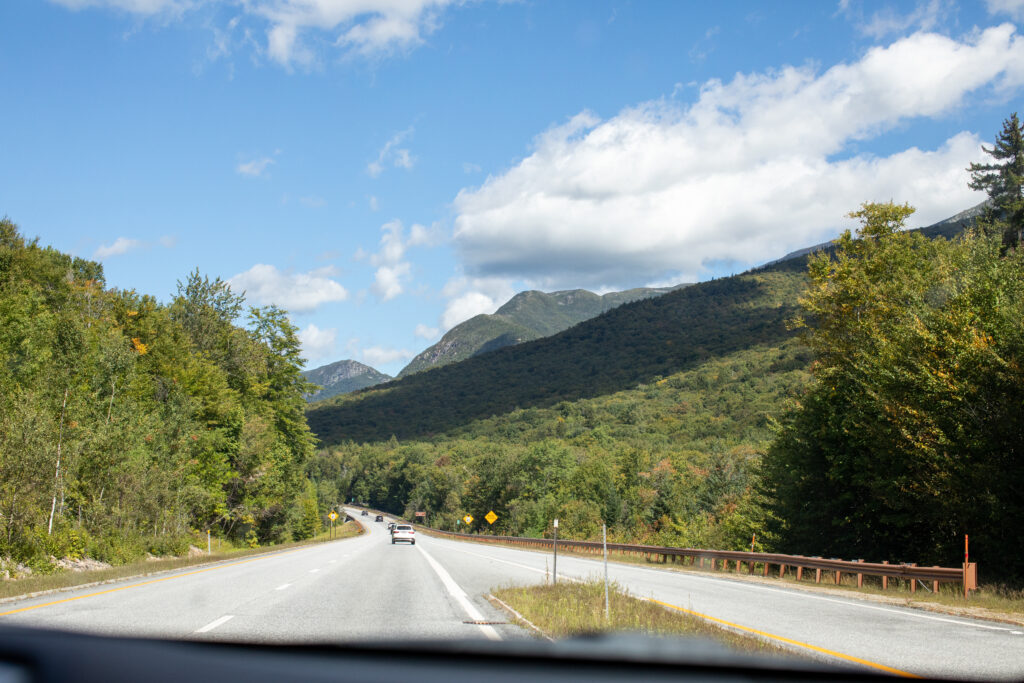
(426, 332)
(254, 167)
(468, 297)
(924, 16)
(754, 168)
(1013, 8)
(296, 29)
(392, 271)
(379, 355)
(317, 344)
(122, 245)
(392, 154)
(295, 292)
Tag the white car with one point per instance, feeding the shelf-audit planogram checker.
(403, 532)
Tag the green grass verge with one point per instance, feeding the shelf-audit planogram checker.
(570, 608)
(989, 601)
(71, 579)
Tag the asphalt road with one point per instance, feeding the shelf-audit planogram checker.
(365, 588)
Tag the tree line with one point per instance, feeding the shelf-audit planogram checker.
(127, 424)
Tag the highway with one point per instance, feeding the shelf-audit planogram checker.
(364, 588)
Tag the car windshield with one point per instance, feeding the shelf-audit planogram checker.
(504, 323)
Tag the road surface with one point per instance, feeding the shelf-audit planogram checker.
(365, 588)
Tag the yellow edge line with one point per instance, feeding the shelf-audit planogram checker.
(150, 582)
(765, 634)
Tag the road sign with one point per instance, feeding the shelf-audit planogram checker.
(491, 517)
(333, 516)
(468, 519)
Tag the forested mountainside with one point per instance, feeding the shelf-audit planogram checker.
(342, 377)
(526, 316)
(617, 350)
(126, 424)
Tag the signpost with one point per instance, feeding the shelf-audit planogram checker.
(604, 546)
(332, 516)
(468, 519)
(554, 572)
(491, 517)
(209, 550)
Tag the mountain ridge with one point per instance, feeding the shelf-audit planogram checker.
(342, 377)
(528, 315)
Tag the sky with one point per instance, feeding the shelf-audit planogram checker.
(386, 169)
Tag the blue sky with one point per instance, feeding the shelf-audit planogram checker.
(385, 169)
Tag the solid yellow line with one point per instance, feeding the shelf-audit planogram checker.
(150, 582)
(765, 634)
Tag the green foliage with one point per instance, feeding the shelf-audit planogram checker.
(125, 423)
(613, 352)
(910, 434)
(526, 316)
(1003, 181)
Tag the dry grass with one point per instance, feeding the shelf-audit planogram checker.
(37, 584)
(990, 601)
(571, 608)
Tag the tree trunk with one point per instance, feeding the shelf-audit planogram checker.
(56, 476)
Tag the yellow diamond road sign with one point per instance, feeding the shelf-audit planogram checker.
(468, 519)
(333, 516)
(491, 517)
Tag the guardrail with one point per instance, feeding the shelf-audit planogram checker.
(966, 575)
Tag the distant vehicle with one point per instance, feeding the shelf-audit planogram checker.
(365, 513)
(403, 532)
(380, 518)
(391, 527)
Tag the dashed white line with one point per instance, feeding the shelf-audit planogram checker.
(314, 571)
(215, 623)
(283, 586)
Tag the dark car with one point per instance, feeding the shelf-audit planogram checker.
(365, 513)
(380, 518)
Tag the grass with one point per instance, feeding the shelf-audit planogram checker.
(571, 608)
(39, 583)
(989, 601)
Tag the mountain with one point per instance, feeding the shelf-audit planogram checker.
(341, 378)
(525, 317)
(618, 350)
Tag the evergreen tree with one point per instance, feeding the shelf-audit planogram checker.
(1003, 179)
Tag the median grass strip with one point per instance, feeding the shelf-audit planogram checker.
(64, 580)
(569, 609)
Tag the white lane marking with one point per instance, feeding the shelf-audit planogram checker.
(796, 593)
(459, 595)
(215, 623)
(516, 564)
(283, 586)
(1017, 633)
(314, 571)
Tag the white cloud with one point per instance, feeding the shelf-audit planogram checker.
(752, 169)
(318, 344)
(122, 245)
(295, 292)
(313, 202)
(374, 205)
(388, 280)
(925, 16)
(296, 30)
(1013, 8)
(390, 153)
(468, 297)
(469, 167)
(169, 241)
(255, 167)
(393, 272)
(376, 356)
(144, 7)
(426, 332)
